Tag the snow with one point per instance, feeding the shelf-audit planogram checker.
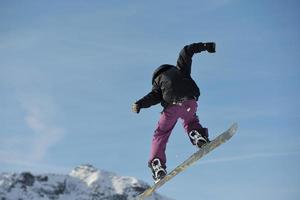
(83, 183)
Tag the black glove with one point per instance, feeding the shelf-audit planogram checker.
(135, 108)
(197, 47)
(210, 47)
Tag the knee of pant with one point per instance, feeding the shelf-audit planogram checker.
(160, 132)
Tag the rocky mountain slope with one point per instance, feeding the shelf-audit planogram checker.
(83, 183)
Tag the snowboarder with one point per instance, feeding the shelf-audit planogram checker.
(174, 88)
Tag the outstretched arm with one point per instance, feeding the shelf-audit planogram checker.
(152, 98)
(184, 61)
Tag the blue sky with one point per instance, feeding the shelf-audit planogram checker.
(70, 70)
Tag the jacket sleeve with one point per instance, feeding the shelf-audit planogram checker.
(184, 61)
(152, 98)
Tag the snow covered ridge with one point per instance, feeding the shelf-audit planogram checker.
(83, 183)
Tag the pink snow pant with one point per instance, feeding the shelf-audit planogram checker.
(168, 119)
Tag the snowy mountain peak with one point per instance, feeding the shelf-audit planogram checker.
(85, 182)
(90, 175)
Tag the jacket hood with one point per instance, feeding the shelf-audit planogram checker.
(160, 70)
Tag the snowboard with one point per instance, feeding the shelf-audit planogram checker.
(205, 149)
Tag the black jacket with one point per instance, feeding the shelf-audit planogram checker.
(174, 83)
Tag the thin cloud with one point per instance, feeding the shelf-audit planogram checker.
(32, 147)
(25, 164)
(46, 133)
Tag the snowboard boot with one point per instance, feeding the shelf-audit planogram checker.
(199, 137)
(158, 171)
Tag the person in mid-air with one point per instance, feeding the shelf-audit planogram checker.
(174, 88)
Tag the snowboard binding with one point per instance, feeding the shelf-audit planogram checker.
(197, 139)
(158, 171)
